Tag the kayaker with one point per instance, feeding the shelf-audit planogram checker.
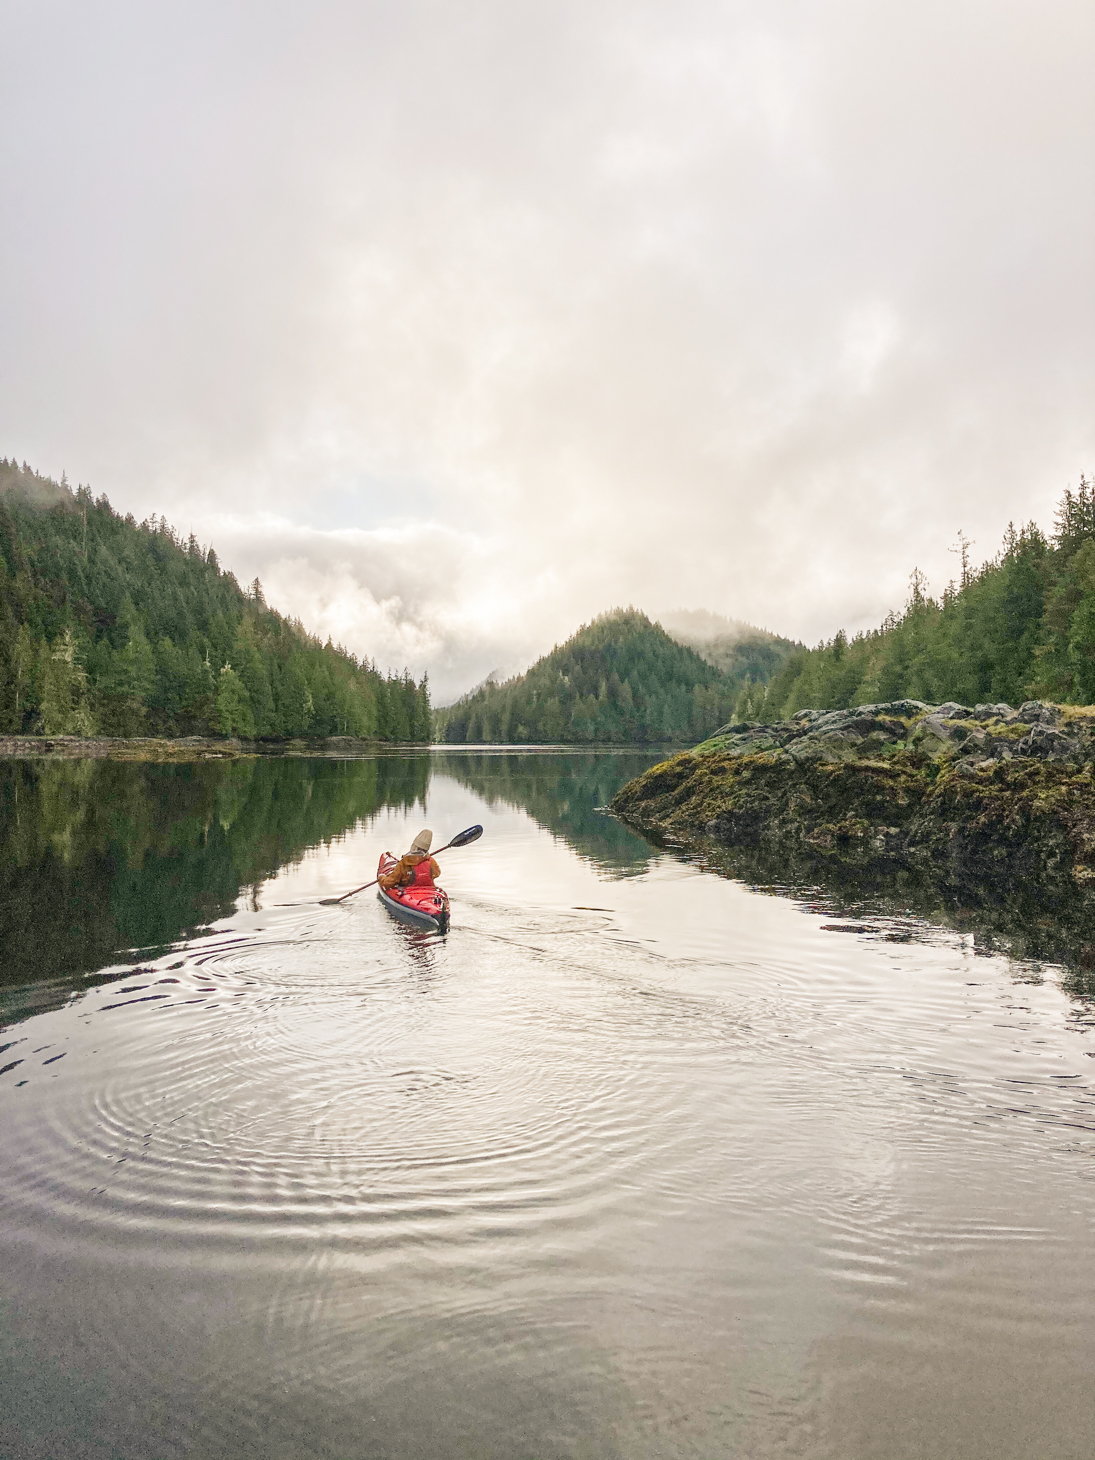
(415, 866)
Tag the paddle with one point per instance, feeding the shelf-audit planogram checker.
(472, 834)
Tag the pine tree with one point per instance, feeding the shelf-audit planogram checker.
(234, 705)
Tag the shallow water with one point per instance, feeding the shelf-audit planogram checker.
(636, 1161)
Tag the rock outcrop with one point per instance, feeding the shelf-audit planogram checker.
(985, 802)
(985, 732)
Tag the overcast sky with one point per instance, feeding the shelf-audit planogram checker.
(458, 324)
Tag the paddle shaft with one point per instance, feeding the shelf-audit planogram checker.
(375, 880)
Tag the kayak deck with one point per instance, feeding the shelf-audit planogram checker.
(421, 907)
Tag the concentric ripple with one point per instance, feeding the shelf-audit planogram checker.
(277, 1092)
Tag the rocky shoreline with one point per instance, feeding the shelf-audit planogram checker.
(186, 749)
(981, 806)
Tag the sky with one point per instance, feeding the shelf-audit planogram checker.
(460, 324)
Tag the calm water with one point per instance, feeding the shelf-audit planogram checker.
(637, 1161)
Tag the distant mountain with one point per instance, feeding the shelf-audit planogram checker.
(620, 680)
(114, 627)
(742, 652)
(492, 677)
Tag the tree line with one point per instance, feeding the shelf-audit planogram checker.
(113, 627)
(1021, 626)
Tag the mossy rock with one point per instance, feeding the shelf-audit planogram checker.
(984, 830)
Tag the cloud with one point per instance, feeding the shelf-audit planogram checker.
(420, 596)
(459, 325)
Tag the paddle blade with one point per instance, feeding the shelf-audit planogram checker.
(472, 834)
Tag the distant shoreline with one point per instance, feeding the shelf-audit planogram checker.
(189, 748)
(194, 748)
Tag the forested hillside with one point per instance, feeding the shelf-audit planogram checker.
(109, 626)
(1021, 626)
(619, 681)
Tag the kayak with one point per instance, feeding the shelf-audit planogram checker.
(421, 907)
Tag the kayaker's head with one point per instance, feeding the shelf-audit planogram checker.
(420, 847)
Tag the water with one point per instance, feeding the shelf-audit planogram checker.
(637, 1161)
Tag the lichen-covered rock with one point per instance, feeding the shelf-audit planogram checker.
(1036, 712)
(902, 709)
(995, 712)
(830, 746)
(943, 731)
(1048, 744)
(937, 735)
(978, 741)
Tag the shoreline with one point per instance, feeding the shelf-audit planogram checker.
(184, 749)
(191, 748)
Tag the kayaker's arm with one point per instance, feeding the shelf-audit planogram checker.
(462, 839)
(399, 876)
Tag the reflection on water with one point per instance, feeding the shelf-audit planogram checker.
(564, 792)
(100, 856)
(635, 1162)
(1015, 925)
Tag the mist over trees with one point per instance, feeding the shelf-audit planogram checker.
(113, 627)
(741, 652)
(1020, 626)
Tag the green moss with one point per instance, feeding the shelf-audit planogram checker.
(1000, 731)
(1012, 828)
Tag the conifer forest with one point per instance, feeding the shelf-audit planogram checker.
(619, 680)
(1019, 627)
(118, 628)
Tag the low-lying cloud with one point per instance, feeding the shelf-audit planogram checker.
(457, 326)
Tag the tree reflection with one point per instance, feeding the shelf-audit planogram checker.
(99, 856)
(564, 793)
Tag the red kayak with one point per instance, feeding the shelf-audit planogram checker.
(422, 907)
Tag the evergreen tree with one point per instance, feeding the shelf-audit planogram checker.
(234, 704)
